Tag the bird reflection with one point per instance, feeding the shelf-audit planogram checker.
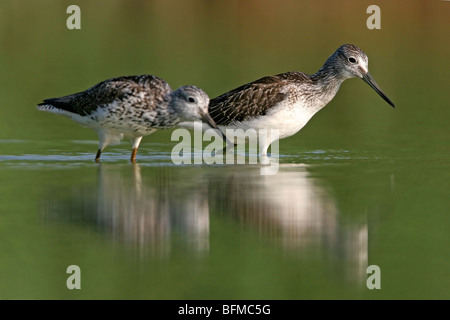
(150, 212)
(168, 207)
(295, 210)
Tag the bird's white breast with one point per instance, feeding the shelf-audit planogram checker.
(288, 119)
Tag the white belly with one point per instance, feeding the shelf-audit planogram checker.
(287, 120)
(283, 122)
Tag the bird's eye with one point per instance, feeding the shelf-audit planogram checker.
(191, 100)
(352, 60)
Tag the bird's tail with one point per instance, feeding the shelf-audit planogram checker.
(47, 107)
(58, 108)
(53, 109)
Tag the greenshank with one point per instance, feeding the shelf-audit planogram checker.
(287, 101)
(132, 106)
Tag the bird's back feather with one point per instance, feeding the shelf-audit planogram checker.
(146, 90)
(254, 99)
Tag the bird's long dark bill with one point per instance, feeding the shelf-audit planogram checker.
(371, 82)
(207, 118)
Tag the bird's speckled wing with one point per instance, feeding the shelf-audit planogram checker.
(253, 99)
(147, 91)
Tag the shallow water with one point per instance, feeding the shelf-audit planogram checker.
(157, 230)
(362, 184)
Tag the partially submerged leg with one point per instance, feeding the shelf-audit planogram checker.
(135, 142)
(264, 149)
(97, 157)
(103, 142)
(133, 155)
(266, 139)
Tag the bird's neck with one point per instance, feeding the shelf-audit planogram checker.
(168, 114)
(330, 73)
(326, 82)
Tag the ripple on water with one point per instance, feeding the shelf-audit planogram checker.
(150, 154)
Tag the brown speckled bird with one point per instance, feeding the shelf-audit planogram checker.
(133, 106)
(287, 101)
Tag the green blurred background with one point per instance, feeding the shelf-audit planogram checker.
(218, 46)
(386, 170)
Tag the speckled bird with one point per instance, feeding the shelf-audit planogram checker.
(287, 101)
(132, 106)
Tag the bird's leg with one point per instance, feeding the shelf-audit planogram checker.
(103, 142)
(97, 157)
(264, 147)
(133, 155)
(135, 141)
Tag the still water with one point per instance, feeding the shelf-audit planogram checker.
(361, 185)
(154, 230)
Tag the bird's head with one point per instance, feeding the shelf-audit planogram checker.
(192, 103)
(350, 61)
